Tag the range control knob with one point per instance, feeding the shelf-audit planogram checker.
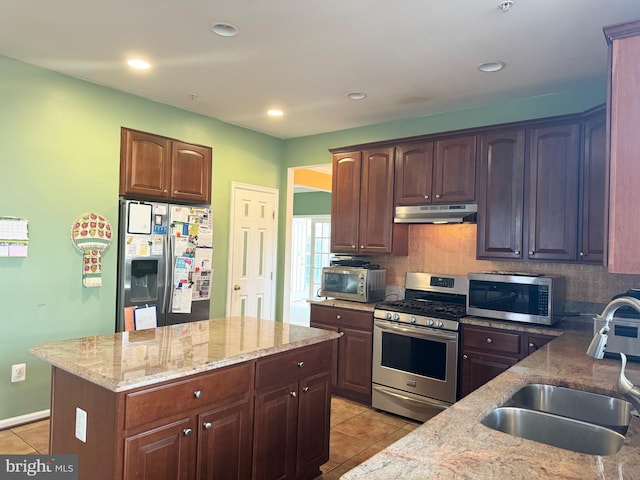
(396, 316)
(412, 320)
(439, 324)
(429, 322)
(388, 316)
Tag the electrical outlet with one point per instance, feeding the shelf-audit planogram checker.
(18, 372)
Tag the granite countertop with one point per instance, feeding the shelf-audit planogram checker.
(334, 302)
(455, 445)
(127, 360)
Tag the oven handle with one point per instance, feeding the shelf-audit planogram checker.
(421, 403)
(419, 332)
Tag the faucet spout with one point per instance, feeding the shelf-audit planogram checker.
(599, 341)
(626, 388)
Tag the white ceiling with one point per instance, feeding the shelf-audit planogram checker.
(411, 57)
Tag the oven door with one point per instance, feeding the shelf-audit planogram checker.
(419, 360)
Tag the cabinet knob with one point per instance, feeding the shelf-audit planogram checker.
(197, 393)
(582, 254)
(531, 252)
(353, 246)
(517, 252)
(426, 197)
(186, 432)
(305, 389)
(207, 425)
(465, 356)
(165, 190)
(175, 192)
(438, 195)
(338, 317)
(361, 246)
(489, 340)
(293, 394)
(531, 344)
(300, 364)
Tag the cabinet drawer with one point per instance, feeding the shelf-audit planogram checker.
(492, 340)
(342, 317)
(289, 366)
(163, 401)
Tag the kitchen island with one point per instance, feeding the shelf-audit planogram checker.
(223, 398)
(455, 445)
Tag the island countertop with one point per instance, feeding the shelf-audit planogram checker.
(455, 445)
(128, 360)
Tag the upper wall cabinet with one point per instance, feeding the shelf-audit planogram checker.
(624, 143)
(442, 171)
(362, 204)
(156, 167)
(528, 193)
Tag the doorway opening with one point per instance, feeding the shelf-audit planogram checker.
(310, 251)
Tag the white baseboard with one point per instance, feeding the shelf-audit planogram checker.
(22, 419)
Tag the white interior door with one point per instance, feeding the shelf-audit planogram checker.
(252, 251)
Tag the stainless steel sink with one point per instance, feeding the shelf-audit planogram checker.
(555, 430)
(586, 406)
(563, 417)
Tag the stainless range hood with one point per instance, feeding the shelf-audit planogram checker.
(436, 213)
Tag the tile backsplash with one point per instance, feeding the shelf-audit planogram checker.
(451, 249)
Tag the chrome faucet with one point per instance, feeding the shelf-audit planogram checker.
(599, 342)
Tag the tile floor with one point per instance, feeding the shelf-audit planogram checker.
(357, 433)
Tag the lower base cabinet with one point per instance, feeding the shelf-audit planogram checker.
(487, 352)
(263, 419)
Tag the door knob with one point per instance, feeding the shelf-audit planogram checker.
(236, 287)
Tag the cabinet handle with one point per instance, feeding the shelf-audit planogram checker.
(175, 192)
(207, 425)
(361, 246)
(197, 393)
(293, 394)
(338, 317)
(489, 340)
(305, 389)
(165, 190)
(426, 197)
(582, 254)
(531, 252)
(531, 344)
(186, 432)
(353, 246)
(517, 252)
(300, 364)
(465, 356)
(438, 195)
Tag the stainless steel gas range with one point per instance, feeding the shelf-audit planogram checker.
(415, 346)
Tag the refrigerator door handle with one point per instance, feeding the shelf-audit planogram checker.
(168, 275)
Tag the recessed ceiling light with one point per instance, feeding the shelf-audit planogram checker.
(275, 112)
(138, 64)
(491, 66)
(356, 95)
(225, 29)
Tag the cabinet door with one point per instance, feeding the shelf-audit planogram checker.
(593, 183)
(224, 442)
(553, 193)
(414, 174)
(313, 425)
(164, 453)
(345, 202)
(354, 369)
(501, 195)
(334, 350)
(190, 173)
(274, 433)
(144, 161)
(536, 341)
(478, 368)
(376, 201)
(455, 170)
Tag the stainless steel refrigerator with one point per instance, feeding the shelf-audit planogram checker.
(164, 264)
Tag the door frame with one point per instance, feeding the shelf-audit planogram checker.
(232, 227)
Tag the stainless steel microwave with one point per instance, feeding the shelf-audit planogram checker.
(515, 296)
(353, 283)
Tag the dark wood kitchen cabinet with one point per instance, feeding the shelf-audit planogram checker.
(487, 352)
(354, 355)
(160, 168)
(439, 172)
(593, 189)
(528, 193)
(624, 146)
(292, 411)
(362, 204)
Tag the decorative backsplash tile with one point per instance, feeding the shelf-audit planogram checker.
(451, 249)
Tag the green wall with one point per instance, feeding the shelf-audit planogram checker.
(312, 203)
(60, 159)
